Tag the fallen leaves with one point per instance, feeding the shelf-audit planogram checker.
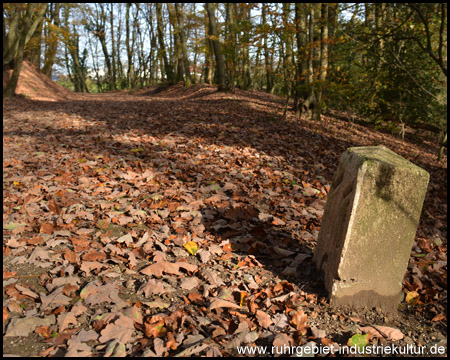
(23, 327)
(152, 287)
(160, 216)
(360, 341)
(300, 320)
(383, 331)
(93, 255)
(166, 267)
(219, 303)
(191, 247)
(412, 297)
(263, 319)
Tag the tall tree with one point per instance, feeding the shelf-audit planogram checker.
(180, 20)
(267, 58)
(209, 53)
(323, 68)
(76, 66)
(129, 48)
(162, 47)
(113, 47)
(301, 77)
(245, 45)
(214, 33)
(52, 40)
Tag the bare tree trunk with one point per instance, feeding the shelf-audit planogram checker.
(50, 54)
(187, 72)
(167, 66)
(301, 82)
(32, 51)
(310, 102)
(246, 51)
(194, 77)
(113, 49)
(267, 62)
(217, 48)
(323, 59)
(209, 53)
(174, 34)
(129, 47)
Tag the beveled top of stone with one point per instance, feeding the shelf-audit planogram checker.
(385, 155)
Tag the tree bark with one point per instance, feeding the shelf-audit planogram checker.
(162, 46)
(323, 59)
(267, 62)
(217, 47)
(113, 49)
(187, 72)
(129, 47)
(50, 54)
(209, 53)
(310, 102)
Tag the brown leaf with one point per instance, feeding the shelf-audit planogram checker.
(152, 287)
(189, 283)
(281, 340)
(300, 320)
(43, 330)
(68, 289)
(227, 247)
(159, 256)
(383, 331)
(155, 329)
(171, 343)
(122, 330)
(64, 320)
(25, 291)
(94, 255)
(168, 268)
(283, 286)
(439, 317)
(46, 228)
(62, 338)
(195, 298)
(263, 319)
(37, 240)
(53, 206)
(70, 256)
(219, 303)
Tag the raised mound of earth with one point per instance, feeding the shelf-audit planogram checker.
(36, 86)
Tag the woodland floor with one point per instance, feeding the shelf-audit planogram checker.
(101, 193)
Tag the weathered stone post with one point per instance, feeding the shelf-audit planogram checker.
(368, 228)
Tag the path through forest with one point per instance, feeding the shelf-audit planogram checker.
(182, 221)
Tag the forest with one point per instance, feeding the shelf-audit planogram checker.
(166, 169)
(385, 63)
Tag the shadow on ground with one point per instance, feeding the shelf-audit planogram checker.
(113, 123)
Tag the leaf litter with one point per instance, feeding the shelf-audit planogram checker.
(154, 225)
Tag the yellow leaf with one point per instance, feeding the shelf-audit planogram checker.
(137, 150)
(244, 297)
(16, 183)
(412, 297)
(191, 247)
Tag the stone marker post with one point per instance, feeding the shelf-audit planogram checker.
(368, 228)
